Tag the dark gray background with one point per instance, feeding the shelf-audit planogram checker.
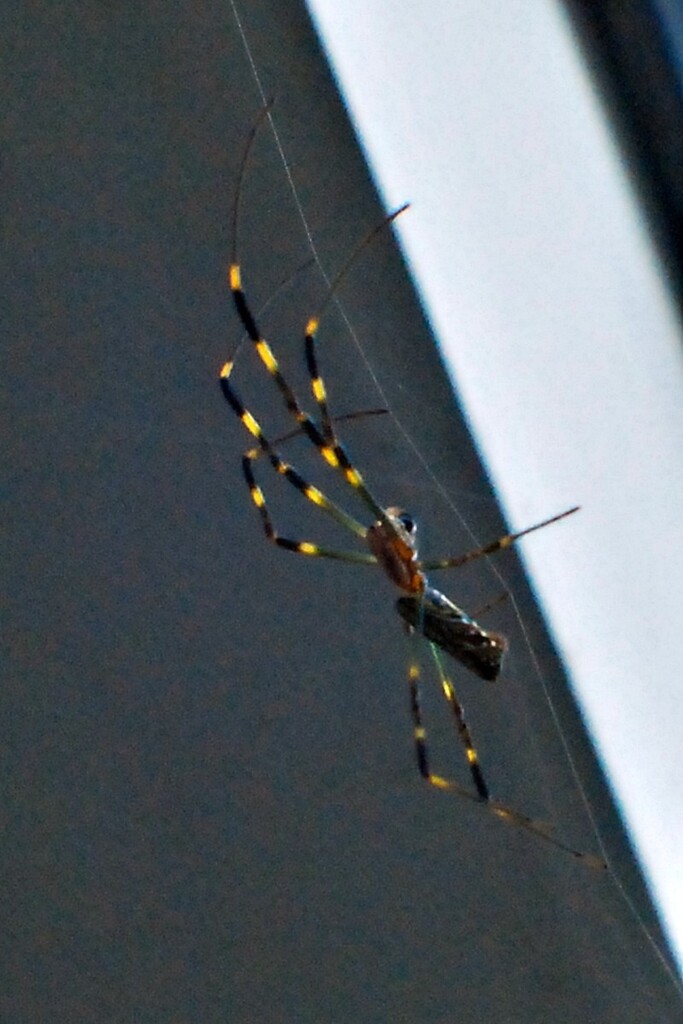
(210, 806)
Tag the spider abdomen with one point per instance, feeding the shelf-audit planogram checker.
(451, 629)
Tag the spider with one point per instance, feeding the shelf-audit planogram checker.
(390, 539)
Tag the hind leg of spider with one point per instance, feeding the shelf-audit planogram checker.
(461, 726)
(497, 545)
(481, 793)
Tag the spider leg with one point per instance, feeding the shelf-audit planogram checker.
(317, 383)
(420, 734)
(248, 319)
(300, 547)
(326, 442)
(311, 493)
(494, 546)
(285, 469)
(484, 609)
(332, 451)
(481, 795)
(346, 417)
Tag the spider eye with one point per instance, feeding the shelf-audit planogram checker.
(407, 522)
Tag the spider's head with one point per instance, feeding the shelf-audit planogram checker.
(393, 542)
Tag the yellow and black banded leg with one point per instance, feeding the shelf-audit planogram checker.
(497, 545)
(419, 731)
(311, 333)
(482, 795)
(317, 382)
(330, 448)
(242, 306)
(326, 443)
(462, 727)
(285, 469)
(300, 547)
(245, 314)
(420, 735)
(263, 349)
(334, 454)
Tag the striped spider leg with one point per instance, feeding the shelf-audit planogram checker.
(448, 628)
(390, 540)
(324, 440)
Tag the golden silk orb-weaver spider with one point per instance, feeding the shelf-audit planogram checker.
(390, 539)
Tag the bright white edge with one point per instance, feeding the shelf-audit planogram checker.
(526, 242)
